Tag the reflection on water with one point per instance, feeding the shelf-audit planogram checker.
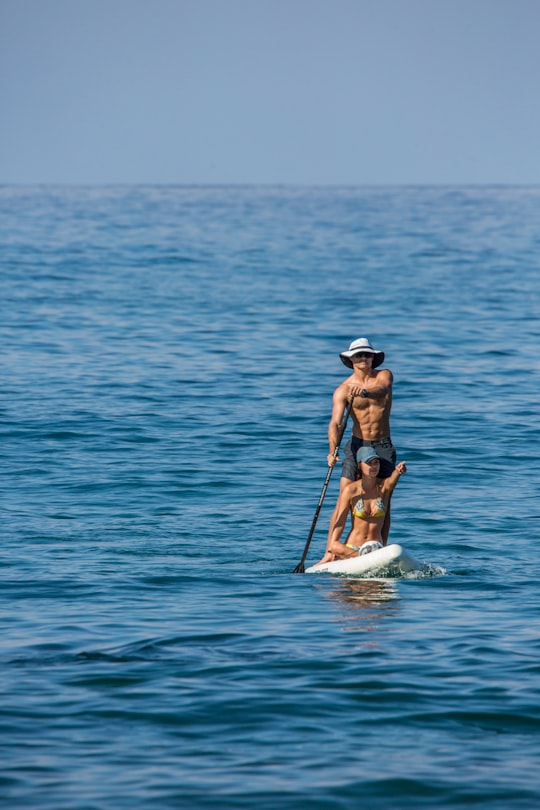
(370, 599)
(365, 592)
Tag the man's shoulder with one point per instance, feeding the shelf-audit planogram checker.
(343, 386)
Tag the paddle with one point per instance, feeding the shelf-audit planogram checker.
(300, 568)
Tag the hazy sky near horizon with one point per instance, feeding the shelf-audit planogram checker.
(270, 91)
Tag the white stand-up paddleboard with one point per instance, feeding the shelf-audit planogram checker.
(391, 559)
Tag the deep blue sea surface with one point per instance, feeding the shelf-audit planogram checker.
(168, 361)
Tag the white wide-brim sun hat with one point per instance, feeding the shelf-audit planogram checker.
(362, 345)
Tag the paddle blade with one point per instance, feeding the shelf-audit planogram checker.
(300, 569)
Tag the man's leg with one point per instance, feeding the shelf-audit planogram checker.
(388, 465)
(385, 531)
(348, 474)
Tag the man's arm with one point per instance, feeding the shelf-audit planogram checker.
(338, 409)
(382, 387)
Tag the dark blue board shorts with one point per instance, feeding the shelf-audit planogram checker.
(384, 449)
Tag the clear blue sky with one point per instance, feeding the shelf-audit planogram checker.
(270, 91)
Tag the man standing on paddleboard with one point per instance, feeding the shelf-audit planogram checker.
(371, 390)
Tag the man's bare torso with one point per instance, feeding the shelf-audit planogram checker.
(371, 414)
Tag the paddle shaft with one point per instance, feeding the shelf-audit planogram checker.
(300, 567)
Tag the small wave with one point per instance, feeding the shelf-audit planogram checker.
(428, 571)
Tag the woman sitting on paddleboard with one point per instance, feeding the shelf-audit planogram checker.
(367, 501)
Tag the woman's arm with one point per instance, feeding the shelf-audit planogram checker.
(389, 484)
(335, 546)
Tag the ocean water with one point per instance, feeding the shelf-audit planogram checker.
(168, 361)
